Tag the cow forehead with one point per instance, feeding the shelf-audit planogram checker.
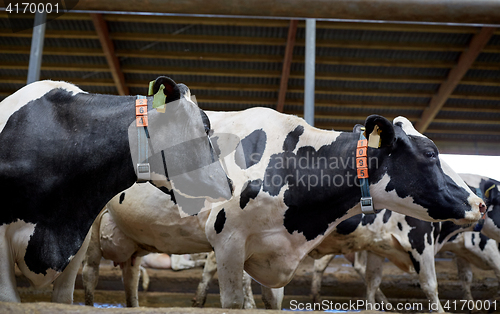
(453, 175)
(407, 126)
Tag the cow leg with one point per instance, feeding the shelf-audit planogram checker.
(427, 276)
(248, 301)
(230, 262)
(64, 285)
(319, 268)
(91, 262)
(130, 274)
(8, 286)
(272, 298)
(465, 275)
(488, 258)
(373, 275)
(209, 271)
(359, 264)
(495, 265)
(145, 278)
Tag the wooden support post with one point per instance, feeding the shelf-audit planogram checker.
(287, 62)
(454, 76)
(109, 51)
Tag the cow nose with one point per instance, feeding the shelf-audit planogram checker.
(482, 208)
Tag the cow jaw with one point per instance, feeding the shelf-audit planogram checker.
(407, 205)
(474, 201)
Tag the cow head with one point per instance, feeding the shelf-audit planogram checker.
(411, 178)
(181, 149)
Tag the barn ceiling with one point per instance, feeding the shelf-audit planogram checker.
(445, 79)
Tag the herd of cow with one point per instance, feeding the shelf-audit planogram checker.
(281, 190)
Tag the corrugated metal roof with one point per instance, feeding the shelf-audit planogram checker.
(98, 89)
(488, 57)
(91, 60)
(362, 69)
(485, 74)
(227, 106)
(477, 89)
(266, 66)
(206, 79)
(387, 54)
(384, 36)
(234, 93)
(199, 47)
(468, 103)
(69, 25)
(199, 30)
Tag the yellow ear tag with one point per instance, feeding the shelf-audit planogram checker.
(374, 138)
(159, 99)
(150, 89)
(487, 192)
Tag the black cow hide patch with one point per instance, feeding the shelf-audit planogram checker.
(313, 205)
(122, 197)
(250, 191)
(253, 146)
(419, 229)
(349, 225)
(220, 221)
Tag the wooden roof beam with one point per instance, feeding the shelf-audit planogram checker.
(287, 62)
(438, 11)
(109, 52)
(456, 74)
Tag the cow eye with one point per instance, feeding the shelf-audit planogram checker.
(430, 154)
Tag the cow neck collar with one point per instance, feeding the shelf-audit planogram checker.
(143, 169)
(366, 200)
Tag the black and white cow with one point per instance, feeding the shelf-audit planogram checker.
(477, 249)
(296, 183)
(407, 242)
(64, 154)
(490, 192)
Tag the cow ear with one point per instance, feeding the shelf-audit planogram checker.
(357, 128)
(171, 90)
(491, 192)
(385, 126)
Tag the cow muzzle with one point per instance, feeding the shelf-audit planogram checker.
(472, 216)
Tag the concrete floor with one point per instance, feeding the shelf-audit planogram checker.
(175, 289)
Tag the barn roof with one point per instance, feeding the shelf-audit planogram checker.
(237, 63)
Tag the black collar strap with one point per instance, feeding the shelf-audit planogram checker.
(366, 200)
(141, 121)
